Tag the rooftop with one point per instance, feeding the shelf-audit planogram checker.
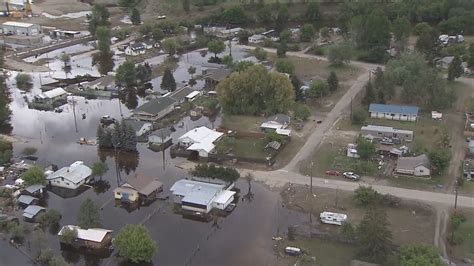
(195, 191)
(32, 210)
(53, 93)
(412, 162)
(280, 119)
(135, 124)
(18, 24)
(180, 94)
(74, 173)
(224, 196)
(391, 108)
(201, 138)
(217, 74)
(34, 188)
(26, 199)
(386, 129)
(143, 184)
(162, 133)
(155, 106)
(91, 234)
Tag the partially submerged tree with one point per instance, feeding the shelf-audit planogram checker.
(99, 169)
(89, 214)
(216, 47)
(133, 242)
(168, 83)
(34, 175)
(23, 81)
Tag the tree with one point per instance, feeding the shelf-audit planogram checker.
(227, 174)
(285, 36)
(5, 112)
(427, 44)
(470, 61)
(401, 31)
(99, 17)
(301, 111)
(48, 218)
(23, 81)
(157, 34)
(340, 54)
(126, 75)
(243, 36)
(377, 30)
(104, 57)
(366, 196)
(216, 47)
(324, 32)
(299, 93)
(260, 54)
(126, 3)
(170, 46)
(455, 69)
(370, 96)
(186, 5)
(192, 71)
(135, 17)
(439, 159)
(143, 73)
(133, 242)
(284, 66)
(374, 237)
(34, 175)
(282, 17)
(264, 14)
(312, 12)
(421, 27)
(89, 215)
(66, 59)
(317, 89)
(365, 148)
(255, 90)
(416, 254)
(307, 33)
(168, 83)
(58, 261)
(234, 15)
(39, 241)
(333, 82)
(99, 169)
(281, 49)
(68, 235)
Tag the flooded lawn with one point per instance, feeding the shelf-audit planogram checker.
(241, 238)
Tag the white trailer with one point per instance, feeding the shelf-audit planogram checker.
(333, 218)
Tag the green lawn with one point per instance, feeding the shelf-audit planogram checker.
(250, 148)
(466, 231)
(242, 122)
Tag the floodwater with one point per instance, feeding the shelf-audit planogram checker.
(241, 238)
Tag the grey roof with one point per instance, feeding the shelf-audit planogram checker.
(143, 184)
(74, 173)
(155, 106)
(180, 94)
(446, 59)
(196, 192)
(385, 129)
(135, 124)
(281, 119)
(32, 210)
(394, 109)
(104, 81)
(410, 163)
(26, 199)
(34, 188)
(274, 145)
(218, 74)
(137, 46)
(162, 133)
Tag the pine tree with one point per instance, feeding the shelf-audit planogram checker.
(374, 237)
(369, 93)
(168, 83)
(455, 69)
(333, 81)
(135, 17)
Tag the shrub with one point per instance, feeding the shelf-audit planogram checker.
(359, 116)
(219, 172)
(456, 220)
(272, 136)
(366, 196)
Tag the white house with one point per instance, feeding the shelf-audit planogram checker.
(140, 127)
(135, 49)
(414, 166)
(201, 196)
(256, 38)
(393, 112)
(275, 122)
(161, 136)
(71, 177)
(201, 140)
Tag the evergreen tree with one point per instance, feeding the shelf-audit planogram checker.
(369, 93)
(299, 94)
(144, 73)
(374, 237)
(126, 75)
(168, 83)
(333, 81)
(89, 215)
(282, 17)
(455, 69)
(312, 12)
(427, 44)
(135, 17)
(129, 138)
(470, 62)
(281, 49)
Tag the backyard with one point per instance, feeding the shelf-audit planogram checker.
(465, 231)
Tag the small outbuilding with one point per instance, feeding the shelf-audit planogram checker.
(159, 138)
(140, 127)
(31, 212)
(26, 200)
(419, 166)
(139, 188)
(34, 190)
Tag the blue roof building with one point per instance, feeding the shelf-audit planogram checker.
(393, 112)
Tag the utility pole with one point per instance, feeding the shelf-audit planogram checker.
(74, 112)
(351, 107)
(311, 180)
(456, 196)
(120, 107)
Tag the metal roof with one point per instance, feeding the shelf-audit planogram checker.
(34, 188)
(180, 94)
(53, 93)
(196, 192)
(26, 199)
(91, 234)
(218, 74)
(162, 133)
(394, 109)
(155, 106)
(410, 163)
(281, 119)
(18, 24)
(143, 184)
(32, 210)
(135, 124)
(224, 196)
(386, 129)
(74, 173)
(201, 138)
(192, 95)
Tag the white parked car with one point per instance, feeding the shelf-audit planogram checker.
(351, 176)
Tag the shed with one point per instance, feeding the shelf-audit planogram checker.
(140, 127)
(31, 211)
(159, 137)
(393, 112)
(414, 166)
(34, 190)
(275, 145)
(25, 200)
(192, 96)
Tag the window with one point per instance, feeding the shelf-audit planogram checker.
(67, 183)
(421, 170)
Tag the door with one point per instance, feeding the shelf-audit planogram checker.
(125, 196)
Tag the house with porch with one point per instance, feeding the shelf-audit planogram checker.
(418, 166)
(70, 177)
(200, 140)
(155, 109)
(212, 77)
(138, 189)
(136, 48)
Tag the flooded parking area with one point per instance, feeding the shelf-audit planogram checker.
(244, 237)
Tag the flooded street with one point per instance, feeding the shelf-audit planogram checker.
(241, 238)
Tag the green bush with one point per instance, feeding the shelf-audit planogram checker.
(211, 171)
(272, 136)
(456, 220)
(359, 116)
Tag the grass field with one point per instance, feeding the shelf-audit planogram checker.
(242, 122)
(466, 231)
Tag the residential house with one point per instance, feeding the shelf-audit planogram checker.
(272, 35)
(155, 109)
(257, 38)
(71, 177)
(52, 96)
(160, 137)
(200, 196)
(212, 77)
(444, 62)
(200, 140)
(138, 189)
(380, 132)
(25, 200)
(414, 166)
(275, 122)
(34, 190)
(104, 83)
(180, 94)
(150, 44)
(227, 33)
(20, 28)
(136, 48)
(30, 213)
(393, 112)
(92, 238)
(140, 127)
